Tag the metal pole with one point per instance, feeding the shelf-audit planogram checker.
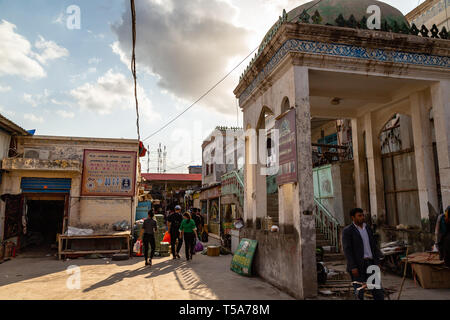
(148, 159)
(404, 273)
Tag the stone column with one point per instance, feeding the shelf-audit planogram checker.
(2, 219)
(249, 180)
(260, 203)
(440, 96)
(375, 169)
(303, 207)
(286, 206)
(360, 168)
(423, 150)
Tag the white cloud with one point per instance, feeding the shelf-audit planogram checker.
(37, 99)
(118, 50)
(111, 92)
(31, 117)
(82, 76)
(5, 89)
(9, 113)
(65, 114)
(16, 56)
(49, 50)
(94, 60)
(59, 19)
(188, 44)
(96, 36)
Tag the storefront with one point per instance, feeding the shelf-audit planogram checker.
(63, 183)
(172, 189)
(211, 197)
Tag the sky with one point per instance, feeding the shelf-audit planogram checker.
(66, 76)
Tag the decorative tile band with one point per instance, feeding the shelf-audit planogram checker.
(348, 51)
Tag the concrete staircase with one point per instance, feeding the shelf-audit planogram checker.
(272, 207)
(321, 241)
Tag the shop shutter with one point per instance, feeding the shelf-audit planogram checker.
(45, 185)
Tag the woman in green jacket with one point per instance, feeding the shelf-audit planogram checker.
(189, 231)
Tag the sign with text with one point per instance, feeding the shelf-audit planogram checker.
(109, 173)
(210, 193)
(287, 129)
(243, 257)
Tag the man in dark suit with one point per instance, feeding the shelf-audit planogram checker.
(361, 252)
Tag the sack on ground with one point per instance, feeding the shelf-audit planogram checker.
(198, 247)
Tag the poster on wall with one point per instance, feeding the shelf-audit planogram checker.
(288, 148)
(243, 257)
(109, 173)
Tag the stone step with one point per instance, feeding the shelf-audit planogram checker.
(320, 236)
(327, 257)
(322, 243)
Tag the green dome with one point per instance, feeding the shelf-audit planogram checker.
(330, 10)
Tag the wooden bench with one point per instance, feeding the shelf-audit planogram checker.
(63, 241)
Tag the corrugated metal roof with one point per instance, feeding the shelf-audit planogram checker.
(171, 177)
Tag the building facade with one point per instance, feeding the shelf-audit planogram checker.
(325, 63)
(222, 159)
(53, 183)
(9, 131)
(431, 12)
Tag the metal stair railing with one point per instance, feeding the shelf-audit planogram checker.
(327, 224)
(233, 184)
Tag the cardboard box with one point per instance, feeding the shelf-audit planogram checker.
(431, 276)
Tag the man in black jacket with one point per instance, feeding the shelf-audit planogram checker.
(361, 252)
(173, 224)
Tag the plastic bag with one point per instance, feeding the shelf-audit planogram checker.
(198, 247)
(204, 236)
(137, 249)
(166, 237)
(121, 226)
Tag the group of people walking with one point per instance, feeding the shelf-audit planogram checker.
(187, 226)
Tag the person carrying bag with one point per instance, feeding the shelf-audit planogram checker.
(188, 230)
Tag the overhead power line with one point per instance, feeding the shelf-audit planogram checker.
(215, 85)
(201, 97)
(133, 64)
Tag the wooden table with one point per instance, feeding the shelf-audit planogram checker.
(430, 270)
(63, 241)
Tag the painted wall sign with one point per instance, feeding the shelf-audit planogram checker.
(288, 148)
(243, 257)
(109, 173)
(210, 193)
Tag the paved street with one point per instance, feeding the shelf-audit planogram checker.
(204, 278)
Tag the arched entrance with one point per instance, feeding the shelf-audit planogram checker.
(267, 123)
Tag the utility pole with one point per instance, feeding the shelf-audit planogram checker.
(148, 159)
(164, 159)
(159, 158)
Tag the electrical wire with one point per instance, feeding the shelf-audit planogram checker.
(201, 97)
(217, 84)
(133, 65)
